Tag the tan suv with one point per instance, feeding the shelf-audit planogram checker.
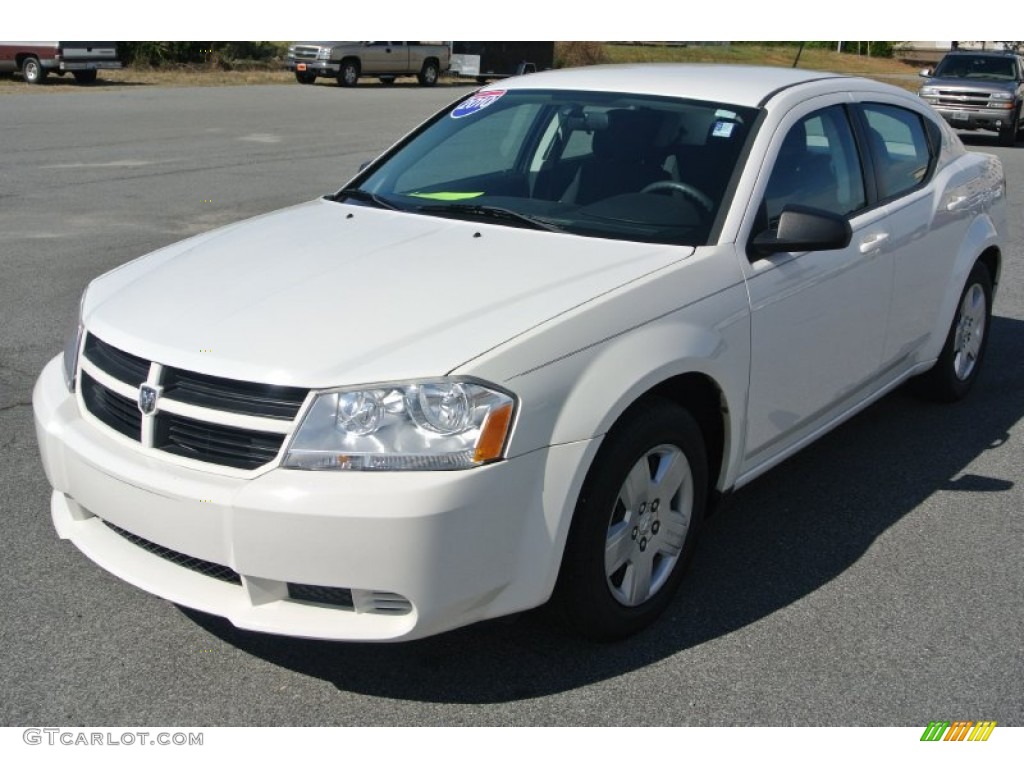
(979, 89)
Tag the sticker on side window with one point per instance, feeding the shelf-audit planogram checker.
(476, 102)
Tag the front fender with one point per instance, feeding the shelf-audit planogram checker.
(580, 396)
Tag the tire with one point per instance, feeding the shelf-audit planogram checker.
(348, 75)
(429, 73)
(305, 78)
(1008, 132)
(33, 72)
(635, 524)
(85, 76)
(964, 351)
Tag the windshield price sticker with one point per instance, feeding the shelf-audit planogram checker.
(476, 102)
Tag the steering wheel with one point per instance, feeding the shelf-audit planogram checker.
(677, 186)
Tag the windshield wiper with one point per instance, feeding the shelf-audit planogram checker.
(491, 212)
(365, 196)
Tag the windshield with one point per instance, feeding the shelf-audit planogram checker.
(977, 68)
(596, 164)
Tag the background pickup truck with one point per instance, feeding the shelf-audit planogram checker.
(979, 89)
(347, 61)
(35, 60)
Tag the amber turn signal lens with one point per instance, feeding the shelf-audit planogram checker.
(493, 433)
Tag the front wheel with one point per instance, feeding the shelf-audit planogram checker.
(960, 360)
(636, 522)
(33, 72)
(348, 75)
(1008, 132)
(306, 78)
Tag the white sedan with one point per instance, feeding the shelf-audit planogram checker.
(520, 356)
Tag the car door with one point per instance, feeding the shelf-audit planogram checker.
(818, 319)
(384, 57)
(928, 214)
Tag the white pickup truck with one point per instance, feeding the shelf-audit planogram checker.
(348, 61)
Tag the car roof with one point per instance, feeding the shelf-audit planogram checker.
(727, 83)
(962, 52)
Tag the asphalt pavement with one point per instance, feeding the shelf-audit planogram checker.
(874, 579)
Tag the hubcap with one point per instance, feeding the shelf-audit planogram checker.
(970, 331)
(648, 525)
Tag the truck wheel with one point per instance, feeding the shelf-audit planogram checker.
(85, 76)
(306, 78)
(430, 72)
(33, 72)
(1008, 132)
(349, 74)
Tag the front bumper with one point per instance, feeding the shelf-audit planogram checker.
(418, 552)
(318, 67)
(974, 118)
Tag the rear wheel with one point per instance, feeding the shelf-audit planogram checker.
(962, 355)
(429, 73)
(85, 77)
(636, 522)
(33, 72)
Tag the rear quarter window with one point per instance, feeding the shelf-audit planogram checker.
(901, 150)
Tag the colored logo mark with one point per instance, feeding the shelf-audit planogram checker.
(960, 730)
(479, 100)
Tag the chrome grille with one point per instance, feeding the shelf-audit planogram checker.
(963, 98)
(230, 423)
(306, 51)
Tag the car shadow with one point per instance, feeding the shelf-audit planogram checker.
(776, 541)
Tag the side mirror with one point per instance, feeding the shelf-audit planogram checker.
(926, 72)
(364, 165)
(803, 229)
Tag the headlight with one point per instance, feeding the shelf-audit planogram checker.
(1001, 101)
(928, 91)
(71, 346)
(324, 53)
(419, 425)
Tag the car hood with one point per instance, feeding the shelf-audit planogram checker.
(971, 84)
(326, 294)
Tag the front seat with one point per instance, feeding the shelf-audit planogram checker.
(621, 161)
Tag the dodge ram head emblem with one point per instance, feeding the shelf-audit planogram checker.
(147, 398)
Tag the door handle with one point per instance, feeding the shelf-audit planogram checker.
(873, 242)
(956, 203)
